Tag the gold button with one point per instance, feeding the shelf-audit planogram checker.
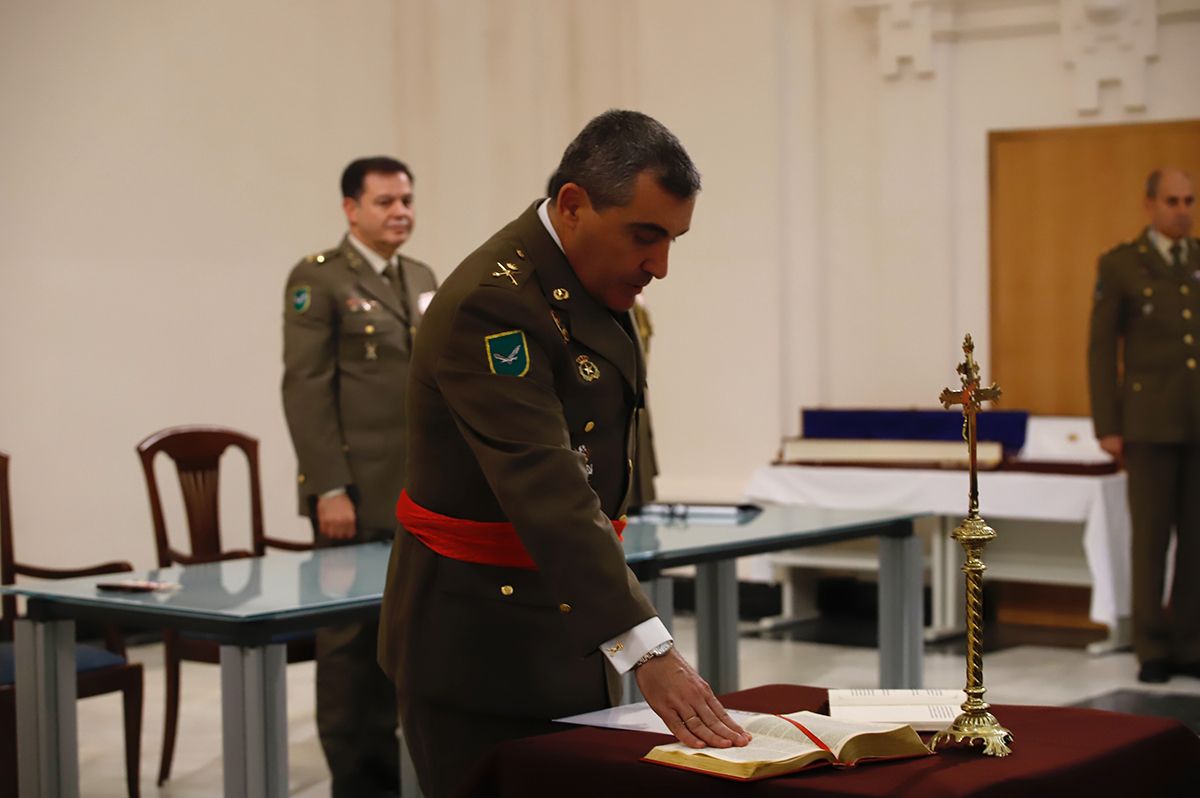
(588, 427)
(1188, 339)
(1183, 289)
(1147, 292)
(300, 479)
(1187, 313)
(412, 330)
(630, 464)
(1191, 361)
(564, 608)
(1137, 386)
(561, 294)
(521, 254)
(370, 328)
(506, 590)
(320, 259)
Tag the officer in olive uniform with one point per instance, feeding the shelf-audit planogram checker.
(508, 601)
(645, 467)
(349, 320)
(1145, 388)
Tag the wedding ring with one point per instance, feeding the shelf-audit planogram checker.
(692, 718)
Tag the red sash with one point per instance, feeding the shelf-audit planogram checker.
(481, 542)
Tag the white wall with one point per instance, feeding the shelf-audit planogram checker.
(164, 164)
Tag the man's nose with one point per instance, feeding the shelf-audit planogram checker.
(656, 264)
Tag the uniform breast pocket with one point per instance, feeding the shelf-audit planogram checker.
(364, 338)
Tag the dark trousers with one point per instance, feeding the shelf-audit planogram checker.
(356, 702)
(447, 744)
(1164, 496)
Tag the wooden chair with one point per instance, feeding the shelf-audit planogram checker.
(99, 670)
(196, 452)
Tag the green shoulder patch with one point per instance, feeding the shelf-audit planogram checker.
(507, 353)
(301, 298)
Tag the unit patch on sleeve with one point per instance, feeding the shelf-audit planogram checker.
(301, 298)
(508, 353)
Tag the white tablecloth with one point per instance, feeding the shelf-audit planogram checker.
(1096, 501)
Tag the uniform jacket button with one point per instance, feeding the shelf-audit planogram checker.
(506, 590)
(564, 608)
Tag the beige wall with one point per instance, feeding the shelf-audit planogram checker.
(163, 164)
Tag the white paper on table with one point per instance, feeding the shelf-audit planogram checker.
(636, 717)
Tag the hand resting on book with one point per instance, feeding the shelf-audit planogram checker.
(686, 703)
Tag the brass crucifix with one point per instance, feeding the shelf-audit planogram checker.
(971, 396)
(976, 723)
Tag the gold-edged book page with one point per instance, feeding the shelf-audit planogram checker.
(780, 746)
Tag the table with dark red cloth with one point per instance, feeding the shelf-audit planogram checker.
(1058, 751)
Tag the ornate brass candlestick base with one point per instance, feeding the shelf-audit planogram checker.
(976, 723)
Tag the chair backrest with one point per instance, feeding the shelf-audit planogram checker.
(196, 451)
(8, 561)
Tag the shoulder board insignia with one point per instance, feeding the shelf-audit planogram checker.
(511, 271)
(320, 257)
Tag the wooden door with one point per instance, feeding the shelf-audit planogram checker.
(1059, 199)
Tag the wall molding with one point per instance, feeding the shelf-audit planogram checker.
(1103, 41)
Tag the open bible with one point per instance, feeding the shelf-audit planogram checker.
(787, 743)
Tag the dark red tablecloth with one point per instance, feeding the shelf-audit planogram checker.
(1058, 751)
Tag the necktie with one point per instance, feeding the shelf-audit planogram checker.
(1177, 256)
(395, 278)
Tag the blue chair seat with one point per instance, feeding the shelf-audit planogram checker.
(87, 658)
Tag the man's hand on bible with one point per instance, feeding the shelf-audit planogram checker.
(686, 704)
(335, 517)
(1114, 445)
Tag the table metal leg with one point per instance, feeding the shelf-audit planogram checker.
(901, 649)
(254, 721)
(716, 624)
(661, 593)
(47, 736)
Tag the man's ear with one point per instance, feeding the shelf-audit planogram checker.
(350, 208)
(571, 201)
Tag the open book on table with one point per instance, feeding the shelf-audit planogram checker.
(787, 743)
(925, 709)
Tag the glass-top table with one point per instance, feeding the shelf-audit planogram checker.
(247, 605)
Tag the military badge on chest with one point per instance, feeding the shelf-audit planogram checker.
(587, 459)
(588, 369)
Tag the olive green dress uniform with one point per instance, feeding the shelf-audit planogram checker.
(1144, 369)
(645, 467)
(523, 399)
(348, 336)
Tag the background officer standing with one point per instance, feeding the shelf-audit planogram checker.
(1145, 386)
(350, 316)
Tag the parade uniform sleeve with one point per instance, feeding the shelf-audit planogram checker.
(1102, 349)
(512, 418)
(310, 381)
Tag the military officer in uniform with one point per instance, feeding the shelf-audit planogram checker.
(1144, 371)
(350, 317)
(508, 601)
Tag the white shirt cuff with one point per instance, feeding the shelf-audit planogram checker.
(624, 650)
(329, 494)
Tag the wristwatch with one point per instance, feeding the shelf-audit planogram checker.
(657, 651)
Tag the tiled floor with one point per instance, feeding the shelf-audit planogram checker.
(1018, 675)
